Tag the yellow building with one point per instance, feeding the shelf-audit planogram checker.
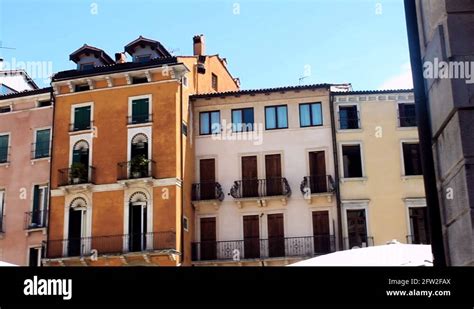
(380, 177)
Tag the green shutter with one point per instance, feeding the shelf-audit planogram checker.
(82, 118)
(3, 148)
(140, 110)
(42, 143)
(36, 192)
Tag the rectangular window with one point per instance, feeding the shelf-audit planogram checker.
(82, 118)
(276, 117)
(87, 66)
(143, 58)
(356, 229)
(214, 81)
(185, 224)
(5, 109)
(407, 115)
(348, 117)
(210, 123)
(37, 217)
(4, 140)
(242, 120)
(352, 161)
(2, 208)
(311, 115)
(139, 80)
(83, 87)
(412, 159)
(44, 103)
(419, 225)
(42, 143)
(185, 81)
(34, 257)
(140, 111)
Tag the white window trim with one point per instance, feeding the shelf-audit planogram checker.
(40, 251)
(146, 96)
(43, 206)
(185, 81)
(76, 138)
(50, 140)
(149, 214)
(73, 115)
(341, 161)
(412, 203)
(402, 159)
(359, 114)
(87, 226)
(355, 205)
(131, 132)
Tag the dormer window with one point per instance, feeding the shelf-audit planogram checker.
(143, 58)
(87, 66)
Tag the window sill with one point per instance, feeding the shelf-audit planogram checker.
(349, 130)
(5, 164)
(36, 229)
(405, 178)
(137, 125)
(86, 131)
(33, 161)
(407, 128)
(355, 179)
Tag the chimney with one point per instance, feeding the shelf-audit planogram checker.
(198, 45)
(120, 58)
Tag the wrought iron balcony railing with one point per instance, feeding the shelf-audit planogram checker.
(254, 248)
(137, 119)
(136, 169)
(251, 188)
(36, 219)
(207, 191)
(40, 150)
(360, 241)
(76, 175)
(81, 126)
(114, 244)
(317, 184)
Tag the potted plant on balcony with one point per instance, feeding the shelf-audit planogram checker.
(139, 166)
(78, 172)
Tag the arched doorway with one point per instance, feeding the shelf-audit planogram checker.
(137, 222)
(76, 227)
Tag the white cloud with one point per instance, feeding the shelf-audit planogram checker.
(403, 80)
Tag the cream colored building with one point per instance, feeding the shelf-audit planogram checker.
(264, 196)
(380, 177)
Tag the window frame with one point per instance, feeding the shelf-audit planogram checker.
(35, 136)
(73, 115)
(215, 79)
(210, 122)
(404, 172)
(130, 108)
(82, 65)
(8, 134)
(341, 160)
(276, 116)
(359, 118)
(310, 104)
(400, 116)
(242, 111)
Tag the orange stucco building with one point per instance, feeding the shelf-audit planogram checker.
(122, 162)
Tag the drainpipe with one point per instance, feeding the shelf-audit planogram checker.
(424, 132)
(336, 169)
(182, 169)
(53, 104)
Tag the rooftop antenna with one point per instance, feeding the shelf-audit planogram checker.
(301, 79)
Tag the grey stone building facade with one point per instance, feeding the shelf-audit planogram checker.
(446, 35)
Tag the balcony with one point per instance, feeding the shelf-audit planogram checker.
(36, 219)
(136, 169)
(260, 188)
(138, 119)
(317, 185)
(278, 247)
(40, 150)
(81, 126)
(76, 175)
(360, 241)
(114, 244)
(207, 191)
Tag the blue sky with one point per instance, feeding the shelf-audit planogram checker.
(267, 43)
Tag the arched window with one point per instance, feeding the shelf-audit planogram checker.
(139, 146)
(137, 222)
